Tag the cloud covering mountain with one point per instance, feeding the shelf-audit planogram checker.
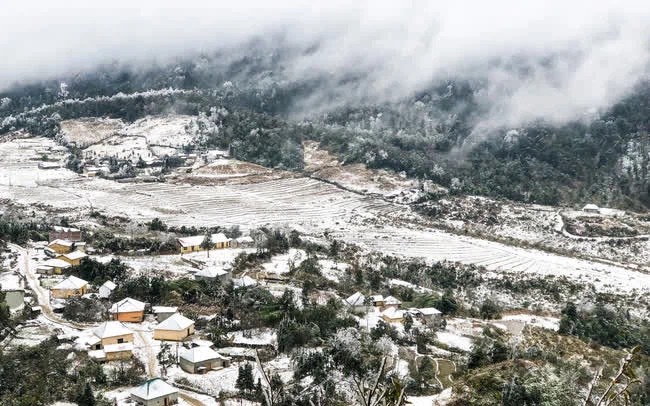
(551, 59)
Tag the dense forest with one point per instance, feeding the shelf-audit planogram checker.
(258, 112)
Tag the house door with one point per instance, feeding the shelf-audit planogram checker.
(166, 401)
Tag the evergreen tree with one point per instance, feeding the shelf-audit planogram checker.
(86, 398)
(207, 242)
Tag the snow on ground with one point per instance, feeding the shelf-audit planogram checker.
(88, 131)
(550, 323)
(333, 270)
(417, 288)
(454, 340)
(20, 158)
(279, 264)
(168, 130)
(122, 147)
(264, 336)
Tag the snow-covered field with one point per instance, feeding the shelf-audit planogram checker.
(306, 204)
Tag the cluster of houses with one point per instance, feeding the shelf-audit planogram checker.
(389, 308)
(218, 240)
(65, 249)
(113, 340)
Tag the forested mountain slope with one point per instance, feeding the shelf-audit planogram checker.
(252, 105)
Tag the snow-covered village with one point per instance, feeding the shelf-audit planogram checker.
(325, 203)
(247, 285)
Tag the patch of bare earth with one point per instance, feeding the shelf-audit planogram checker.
(231, 172)
(357, 177)
(88, 131)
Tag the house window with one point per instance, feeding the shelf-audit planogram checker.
(120, 340)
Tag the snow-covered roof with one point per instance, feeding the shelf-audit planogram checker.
(65, 243)
(245, 239)
(111, 329)
(377, 298)
(109, 285)
(175, 322)
(211, 272)
(392, 300)
(200, 354)
(71, 282)
(153, 388)
(393, 313)
(10, 281)
(74, 255)
(357, 299)
(60, 229)
(590, 206)
(244, 281)
(196, 240)
(164, 309)
(127, 305)
(57, 263)
(429, 311)
(118, 347)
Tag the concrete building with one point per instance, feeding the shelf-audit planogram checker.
(14, 289)
(175, 328)
(357, 302)
(74, 258)
(64, 233)
(213, 274)
(162, 313)
(128, 309)
(53, 266)
(69, 287)
(201, 359)
(155, 392)
(111, 340)
(193, 244)
(106, 290)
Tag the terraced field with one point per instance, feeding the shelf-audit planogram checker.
(436, 245)
(302, 203)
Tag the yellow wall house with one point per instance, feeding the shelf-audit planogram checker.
(193, 244)
(74, 258)
(175, 328)
(54, 266)
(393, 315)
(61, 246)
(128, 309)
(69, 287)
(111, 340)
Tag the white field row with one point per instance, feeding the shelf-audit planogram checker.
(434, 245)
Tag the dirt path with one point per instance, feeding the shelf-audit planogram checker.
(152, 362)
(189, 399)
(42, 294)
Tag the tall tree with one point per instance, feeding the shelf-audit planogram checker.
(207, 242)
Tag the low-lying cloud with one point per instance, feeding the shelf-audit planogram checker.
(556, 60)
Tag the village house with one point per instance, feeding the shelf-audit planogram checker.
(155, 392)
(391, 301)
(427, 315)
(64, 233)
(162, 313)
(74, 258)
(193, 244)
(61, 246)
(53, 266)
(111, 340)
(175, 328)
(69, 287)
(591, 208)
(377, 300)
(393, 315)
(13, 287)
(212, 274)
(357, 302)
(106, 290)
(201, 359)
(128, 309)
(242, 242)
